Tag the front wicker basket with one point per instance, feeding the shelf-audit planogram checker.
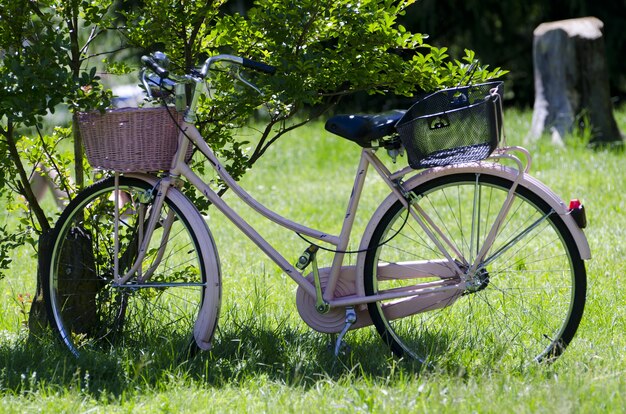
(130, 139)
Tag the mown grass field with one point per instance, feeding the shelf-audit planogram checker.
(265, 359)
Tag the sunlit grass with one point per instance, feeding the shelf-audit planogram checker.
(266, 359)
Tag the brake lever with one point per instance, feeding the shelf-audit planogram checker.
(144, 81)
(155, 86)
(236, 73)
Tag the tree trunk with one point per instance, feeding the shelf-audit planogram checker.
(572, 81)
(78, 284)
(37, 318)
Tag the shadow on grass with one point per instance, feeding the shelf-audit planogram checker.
(250, 345)
(241, 353)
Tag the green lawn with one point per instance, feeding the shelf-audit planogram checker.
(265, 359)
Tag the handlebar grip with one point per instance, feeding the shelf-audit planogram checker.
(261, 67)
(151, 63)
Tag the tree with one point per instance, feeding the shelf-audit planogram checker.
(33, 79)
(324, 51)
(42, 66)
(501, 32)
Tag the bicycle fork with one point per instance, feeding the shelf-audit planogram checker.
(156, 198)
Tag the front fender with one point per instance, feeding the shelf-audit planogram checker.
(206, 323)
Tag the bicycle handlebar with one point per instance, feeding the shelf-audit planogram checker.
(259, 66)
(150, 63)
(168, 82)
(155, 61)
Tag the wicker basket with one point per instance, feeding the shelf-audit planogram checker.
(131, 139)
(453, 125)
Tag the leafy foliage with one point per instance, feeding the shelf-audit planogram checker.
(33, 80)
(324, 50)
(32, 75)
(41, 67)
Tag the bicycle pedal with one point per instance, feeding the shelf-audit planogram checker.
(307, 257)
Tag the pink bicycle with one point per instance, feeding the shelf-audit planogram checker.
(465, 255)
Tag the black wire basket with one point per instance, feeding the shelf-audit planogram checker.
(453, 125)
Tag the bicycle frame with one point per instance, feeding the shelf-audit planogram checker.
(180, 168)
(424, 296)
(317, 300)
(460, 264)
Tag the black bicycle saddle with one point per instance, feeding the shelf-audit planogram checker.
(363, 129)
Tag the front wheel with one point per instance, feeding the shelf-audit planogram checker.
(523, 302)
(89, 308)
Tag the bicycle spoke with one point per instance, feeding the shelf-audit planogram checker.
(131, 314)
(522, 303)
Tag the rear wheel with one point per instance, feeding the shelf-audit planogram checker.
(89, 309)
(523, 303)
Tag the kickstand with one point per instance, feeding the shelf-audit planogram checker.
(350, 319)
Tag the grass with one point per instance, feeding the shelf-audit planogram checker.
(265, 359)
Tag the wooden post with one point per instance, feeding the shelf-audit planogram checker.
(572, 81)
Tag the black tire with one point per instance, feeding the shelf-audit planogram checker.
(87, 309)
(524, 306)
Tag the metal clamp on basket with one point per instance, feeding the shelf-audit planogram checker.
(453, 125)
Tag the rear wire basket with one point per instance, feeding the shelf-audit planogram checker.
(453, 125)
(131, 139)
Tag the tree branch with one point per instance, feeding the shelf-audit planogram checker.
(24, 183)
(264, 144)
(305, 30)
(108, 52)
(63, 181)
(92, 35)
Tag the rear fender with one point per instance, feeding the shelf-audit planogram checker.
(484, 168)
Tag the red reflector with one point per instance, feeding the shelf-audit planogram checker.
(577, 210)
(574, 204)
